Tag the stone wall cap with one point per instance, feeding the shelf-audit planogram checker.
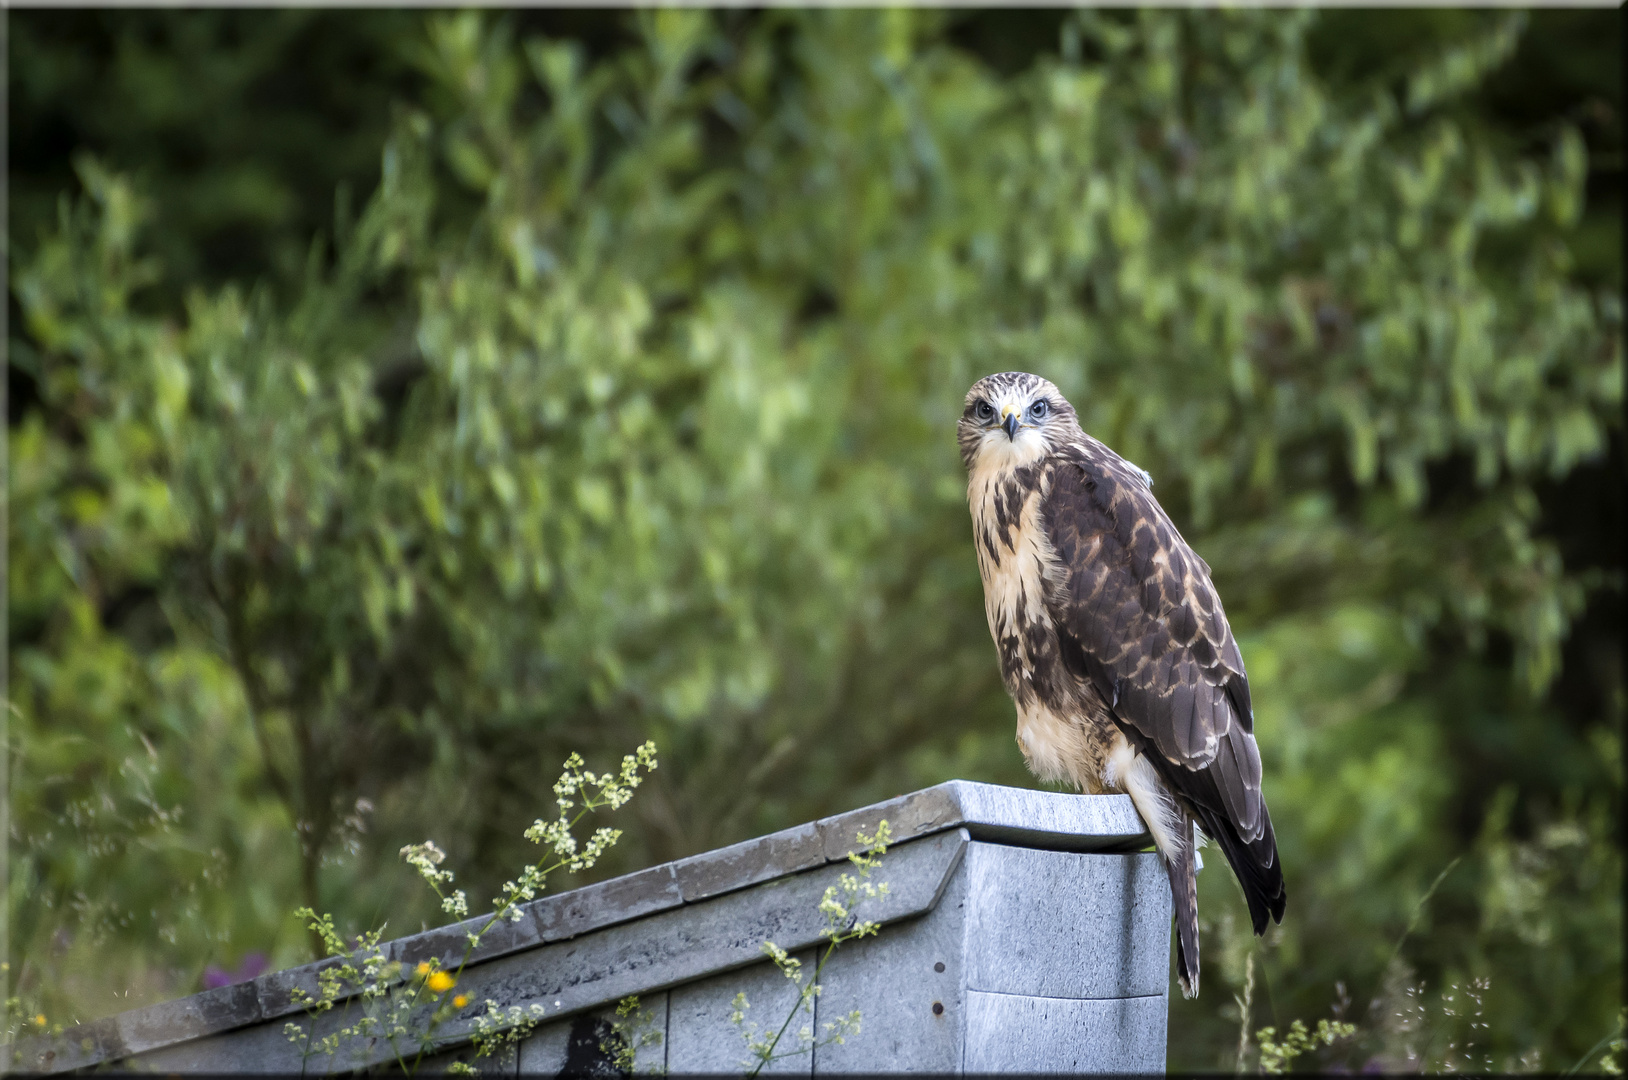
(990, 812)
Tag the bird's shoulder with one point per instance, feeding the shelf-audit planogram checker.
(1099, 501)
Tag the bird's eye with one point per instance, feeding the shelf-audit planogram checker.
(983, 410)
(1038, 410)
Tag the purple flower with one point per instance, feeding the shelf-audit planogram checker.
(252, 965)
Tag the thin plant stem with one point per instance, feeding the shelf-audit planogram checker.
(588, 806)
(382, 980)
(1597, 1047)
(856, 928)
(1271, 1002)
(1244, 1007)
(806, 993)
(1418, 910)
(1413, 922)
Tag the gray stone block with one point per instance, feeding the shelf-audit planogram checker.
(911, 1012)
(268, 1048)
(598, 969)
(606, 903)
(448, 943)
(262, 1048)
(76, 1048)
(189, 1018)
(1048, 819)
(1009, 1033)
(1052, 820)
(701, 1038)
(550, 918)
(920, 813)
(276, 990)
(677, 946)
(1003, 909)
(1062, 924)
(749, 862)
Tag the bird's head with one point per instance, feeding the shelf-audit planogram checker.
(1012, 419)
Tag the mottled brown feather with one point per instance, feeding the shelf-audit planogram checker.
(1141, 620)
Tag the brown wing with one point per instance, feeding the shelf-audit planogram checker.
(1139, 618)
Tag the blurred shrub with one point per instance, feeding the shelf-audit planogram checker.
(623, 409)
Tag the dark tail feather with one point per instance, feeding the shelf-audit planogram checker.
(1256, 866)
(1184, 899)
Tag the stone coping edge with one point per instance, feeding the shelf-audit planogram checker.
(1015, 816)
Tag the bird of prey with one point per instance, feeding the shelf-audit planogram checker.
(1113, 643)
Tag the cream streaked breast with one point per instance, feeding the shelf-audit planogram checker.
(1015, 559)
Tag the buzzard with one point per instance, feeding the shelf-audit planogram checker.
(1113, 643)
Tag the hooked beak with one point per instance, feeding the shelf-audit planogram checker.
(1011, 425)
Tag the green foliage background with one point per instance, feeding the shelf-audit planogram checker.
(399, 401)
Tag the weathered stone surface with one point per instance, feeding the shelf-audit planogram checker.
(607, 903)
(262, 1048)
(701, 1038)
(189, 1018)
(1062, 924)
(269, 1048)
(1009, 1033)
(276, 990)
(447, 943)
(1039, 924)
(550, 918)
(1049, 819)
(594, 970)
(1005, 815)
(917, 814)
(894, 981)
(76, 1048)
(726, 932)
(749, 862)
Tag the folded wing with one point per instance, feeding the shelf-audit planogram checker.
(1139, 618)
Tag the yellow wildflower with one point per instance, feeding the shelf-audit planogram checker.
(39, 1018)
(423, 969)
(460, 1001)
(441, 982)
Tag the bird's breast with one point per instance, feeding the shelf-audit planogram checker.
(1015, 560)
(1064, 728)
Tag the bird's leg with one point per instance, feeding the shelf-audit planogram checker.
(1173, 835)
